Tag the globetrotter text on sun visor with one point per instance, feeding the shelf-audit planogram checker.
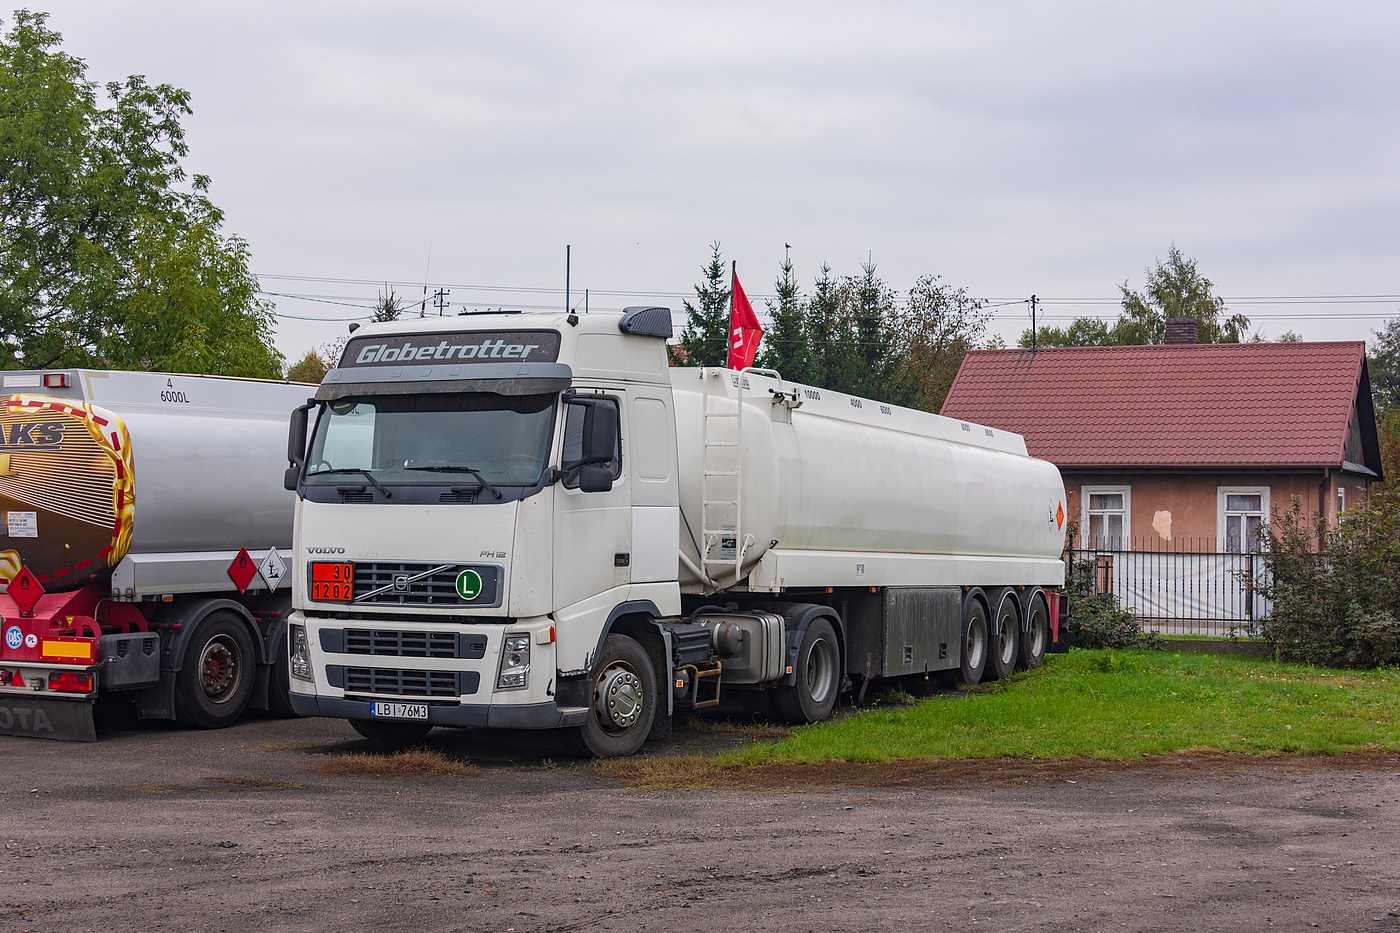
(522, 346)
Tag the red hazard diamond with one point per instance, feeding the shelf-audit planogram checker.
(242, 570)
(1059, 515)
(25, 589)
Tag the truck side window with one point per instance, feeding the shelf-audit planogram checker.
(573, 445)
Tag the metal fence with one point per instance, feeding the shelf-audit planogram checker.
(1184, 587)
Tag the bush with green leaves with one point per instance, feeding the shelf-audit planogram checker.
(1097, 620)
(1335, 591)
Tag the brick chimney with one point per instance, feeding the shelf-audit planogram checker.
(1181, 330)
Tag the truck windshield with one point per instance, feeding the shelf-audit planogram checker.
(475, 438)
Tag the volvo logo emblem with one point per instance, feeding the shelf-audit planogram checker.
(401, 582)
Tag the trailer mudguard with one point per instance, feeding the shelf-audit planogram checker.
(796, 618)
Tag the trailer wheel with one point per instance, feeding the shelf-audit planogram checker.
(1037, 635)
(391, 732)
(1005, 629)
(216, 678)
(818, 672)
(623, 703)
(974, 642)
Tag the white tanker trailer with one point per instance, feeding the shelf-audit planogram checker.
(531, 521)
(143, 548)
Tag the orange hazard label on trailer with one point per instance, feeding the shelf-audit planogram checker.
(68, 649)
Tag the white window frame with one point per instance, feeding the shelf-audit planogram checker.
(1085, 492)
(1221, 492)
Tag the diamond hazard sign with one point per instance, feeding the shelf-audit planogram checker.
(273, 569)
(242, 570)
(25, 589)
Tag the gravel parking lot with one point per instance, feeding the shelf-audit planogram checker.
(158, 828)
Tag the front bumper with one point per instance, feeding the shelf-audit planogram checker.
(526, 716)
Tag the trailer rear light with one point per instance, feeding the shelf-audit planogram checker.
(70, 681)
(55, 380)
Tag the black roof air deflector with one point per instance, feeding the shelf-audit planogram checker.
(646, 321)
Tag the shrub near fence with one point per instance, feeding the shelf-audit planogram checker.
(1182, 586)
(1336, 595)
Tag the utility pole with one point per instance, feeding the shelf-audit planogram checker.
(567, 262)
(440, 299)
(1032, 323)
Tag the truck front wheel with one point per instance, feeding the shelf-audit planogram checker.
(818, 673)
(216, 677)
(623, 703)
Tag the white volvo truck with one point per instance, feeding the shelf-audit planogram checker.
(532, 521)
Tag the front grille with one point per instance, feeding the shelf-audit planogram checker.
(401, 644)
(347, 496)
(379, 680)
(410, 644)
(438, 588)
(467, 497)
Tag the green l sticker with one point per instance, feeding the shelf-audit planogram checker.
(469, 584)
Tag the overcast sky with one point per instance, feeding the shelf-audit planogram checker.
(1048, 148)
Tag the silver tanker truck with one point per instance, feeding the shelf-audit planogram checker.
(532, 521)
(144, 544)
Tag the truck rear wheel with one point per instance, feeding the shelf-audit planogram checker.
(974, 643)
(818, 672)
(1005, 629)
(1036, 638)
(216, 677)
(391, 732)
(623, 702)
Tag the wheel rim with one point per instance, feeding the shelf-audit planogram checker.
(1038, 634)
(219, 669)
(976, 646)
(1006, 637)
(820, 673)
(619, 699)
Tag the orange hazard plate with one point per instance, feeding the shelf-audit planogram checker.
(75, 649)
(332, 582)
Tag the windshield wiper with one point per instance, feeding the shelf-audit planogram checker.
(363, 472)
(444, 468)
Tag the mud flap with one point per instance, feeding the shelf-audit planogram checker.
(43, 718)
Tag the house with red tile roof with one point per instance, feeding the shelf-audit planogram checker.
(1183, 446)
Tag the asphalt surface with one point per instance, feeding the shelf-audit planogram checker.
(158, 828)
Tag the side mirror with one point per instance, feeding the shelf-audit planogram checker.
(296, 444)
(600, 434)
(595, 477)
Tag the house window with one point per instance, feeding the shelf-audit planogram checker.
(1243, 510)
(1107, 517)
(1341, 500)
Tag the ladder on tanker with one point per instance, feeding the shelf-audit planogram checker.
(722, 541)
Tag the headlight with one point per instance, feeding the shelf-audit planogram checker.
(515, 663)
(300, 652)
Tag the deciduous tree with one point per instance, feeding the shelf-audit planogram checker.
(110, 255)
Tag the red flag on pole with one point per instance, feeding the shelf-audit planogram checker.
(744, 329)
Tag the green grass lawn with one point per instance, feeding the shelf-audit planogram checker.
(1117, 705)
